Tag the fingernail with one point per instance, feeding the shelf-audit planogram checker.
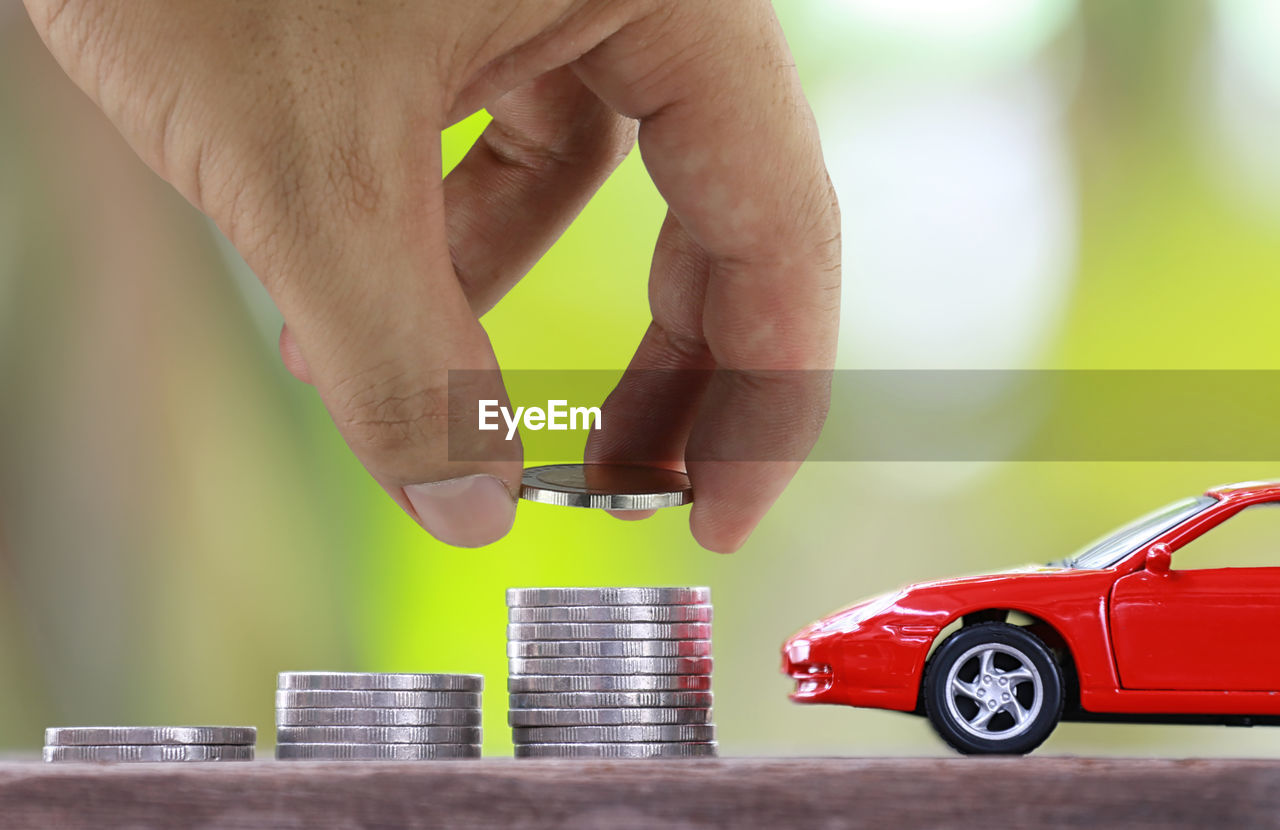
(468, 512)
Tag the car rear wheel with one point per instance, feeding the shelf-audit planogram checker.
(993, 688)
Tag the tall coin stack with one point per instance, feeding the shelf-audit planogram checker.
(149, 743)
(348, 716)
(610, 672)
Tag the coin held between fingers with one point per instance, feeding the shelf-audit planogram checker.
(612, 487)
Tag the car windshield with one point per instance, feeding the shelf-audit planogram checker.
(1110, 549)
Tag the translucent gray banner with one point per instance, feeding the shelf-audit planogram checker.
(1029, 415)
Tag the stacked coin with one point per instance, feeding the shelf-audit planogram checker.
(610, 672)
(149, 743)
(347, 716)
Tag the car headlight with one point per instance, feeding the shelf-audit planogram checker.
(798, 651)
(862, 612)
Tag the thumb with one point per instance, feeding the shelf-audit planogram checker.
(378, 322)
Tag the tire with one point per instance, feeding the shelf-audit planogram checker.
(958, 695)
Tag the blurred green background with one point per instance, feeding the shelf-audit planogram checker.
(1025, 184)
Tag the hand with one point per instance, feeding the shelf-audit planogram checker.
(310, 132)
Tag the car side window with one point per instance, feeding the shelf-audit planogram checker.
(1249, 539)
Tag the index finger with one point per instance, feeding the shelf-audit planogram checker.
(730, 142)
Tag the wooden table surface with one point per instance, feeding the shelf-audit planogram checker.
(886, 794)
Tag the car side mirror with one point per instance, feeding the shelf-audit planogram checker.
(1159, 559)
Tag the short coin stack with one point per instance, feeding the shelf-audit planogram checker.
(149, 743)
(610, 672)
(348, 716)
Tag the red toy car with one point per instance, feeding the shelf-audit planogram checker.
(1114, 632)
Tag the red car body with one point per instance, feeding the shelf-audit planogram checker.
(1141, 641)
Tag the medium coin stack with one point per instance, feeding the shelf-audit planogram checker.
(149, 743)
(348, 716)
(610, 672)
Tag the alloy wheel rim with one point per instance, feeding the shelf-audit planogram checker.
(994, 692)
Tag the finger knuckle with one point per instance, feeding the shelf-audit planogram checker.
(789, 324)
(351, 177)
(765, 344)
(253, 208)
(278, 198)
(390, 417)
(324, 179)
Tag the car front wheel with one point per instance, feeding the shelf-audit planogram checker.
(993, 688)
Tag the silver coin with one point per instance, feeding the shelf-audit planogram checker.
(311, 699)
(606, 486)
(606, 717)
(154, 753)
(610, 700)
(379, 734)
(378, 717)
(609, 648)
(367, 681)
(608, 631)
(149, 735)
(609, 665)
(523, 597)
(375, 752)
(609, 683)
(686, 749)
(611, 734)
(610, 614)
